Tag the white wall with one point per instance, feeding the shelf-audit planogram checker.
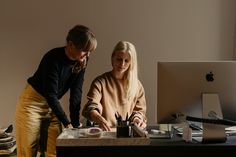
(160, 29)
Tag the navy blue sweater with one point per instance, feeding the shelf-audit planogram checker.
(54, 78)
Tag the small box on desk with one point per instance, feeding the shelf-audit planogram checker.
(161, 131)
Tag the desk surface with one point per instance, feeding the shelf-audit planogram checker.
(174, 146)
(80, 137)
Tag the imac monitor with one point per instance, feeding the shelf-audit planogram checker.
(180, 86)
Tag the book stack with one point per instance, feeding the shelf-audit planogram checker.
(7, 141)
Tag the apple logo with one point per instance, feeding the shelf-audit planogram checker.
(210, 77)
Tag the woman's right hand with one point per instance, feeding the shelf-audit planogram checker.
(101, 121)
(69, 126)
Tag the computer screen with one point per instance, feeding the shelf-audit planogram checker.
(180, 86)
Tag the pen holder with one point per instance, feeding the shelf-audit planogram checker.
(123, 129)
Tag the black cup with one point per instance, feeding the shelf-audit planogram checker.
(123, 129)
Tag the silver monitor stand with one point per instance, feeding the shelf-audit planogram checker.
(212, 109)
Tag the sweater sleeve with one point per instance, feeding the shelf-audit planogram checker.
(75, 98)
(51, 93)
(94, 96)
(139, 110)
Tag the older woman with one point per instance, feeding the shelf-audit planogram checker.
(39, 113)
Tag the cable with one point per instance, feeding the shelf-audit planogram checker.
(212, 121)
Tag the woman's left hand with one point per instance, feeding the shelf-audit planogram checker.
(139, 122)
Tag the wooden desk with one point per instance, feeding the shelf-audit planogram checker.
(174, 146)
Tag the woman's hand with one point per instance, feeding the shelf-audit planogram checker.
(69, 126)
(101, 121)
(139, 122)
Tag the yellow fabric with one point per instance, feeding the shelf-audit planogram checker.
(33, 114)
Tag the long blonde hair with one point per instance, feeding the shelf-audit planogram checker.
(131, 75)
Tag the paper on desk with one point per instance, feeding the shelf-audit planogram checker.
(198, 139)
(232, 128)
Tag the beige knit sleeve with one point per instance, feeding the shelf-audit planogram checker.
(94, 98)
(140, 106)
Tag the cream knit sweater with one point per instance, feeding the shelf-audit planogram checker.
(107, 96)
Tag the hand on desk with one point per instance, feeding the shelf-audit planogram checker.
(98, 119)
(69, 126)
(139, 122)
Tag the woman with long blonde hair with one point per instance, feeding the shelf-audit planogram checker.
(117, 91)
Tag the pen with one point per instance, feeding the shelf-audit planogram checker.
(118, 118)
(127, 117)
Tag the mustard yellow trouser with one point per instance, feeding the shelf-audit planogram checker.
(36, 126)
